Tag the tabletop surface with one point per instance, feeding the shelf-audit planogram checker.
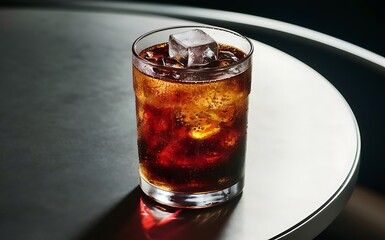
(69, 167)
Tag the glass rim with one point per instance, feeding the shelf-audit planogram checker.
(193, 70)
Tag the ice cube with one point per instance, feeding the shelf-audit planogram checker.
(227, 55)
(193, 48)
(171, 62)
(154, 57)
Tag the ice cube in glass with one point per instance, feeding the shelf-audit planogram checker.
(193, 48)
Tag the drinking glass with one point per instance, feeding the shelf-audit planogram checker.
(191, 121)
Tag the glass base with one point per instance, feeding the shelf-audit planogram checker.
(193, 200)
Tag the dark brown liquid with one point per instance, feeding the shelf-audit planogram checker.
(191, 136)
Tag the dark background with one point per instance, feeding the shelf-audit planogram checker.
(361, 22)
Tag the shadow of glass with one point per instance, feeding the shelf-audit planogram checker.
(138, 217)
(113, 221)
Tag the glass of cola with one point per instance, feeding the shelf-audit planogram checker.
(191, 88)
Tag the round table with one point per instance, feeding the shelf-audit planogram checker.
(69, 167)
